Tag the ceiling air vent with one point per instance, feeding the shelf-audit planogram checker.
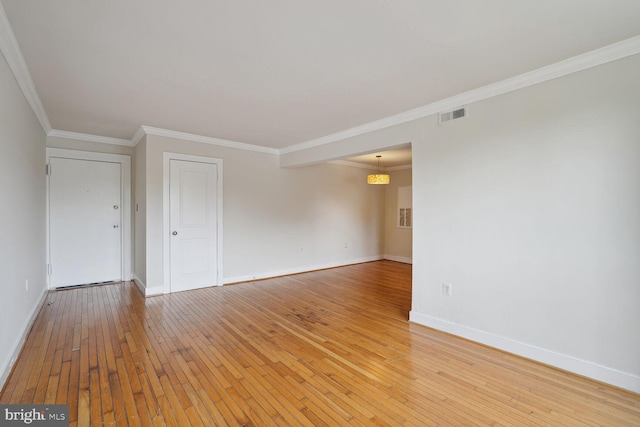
(447, 116)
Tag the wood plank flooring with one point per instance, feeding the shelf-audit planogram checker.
(326, 348)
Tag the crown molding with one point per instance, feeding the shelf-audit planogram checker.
(148, 130)
(88, 137)
(206, 140)
(571, 65)
(398, 168)
(140, 133)
(13, 55)
(369, 167)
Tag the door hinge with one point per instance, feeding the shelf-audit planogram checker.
(49, 269)
(47, 169)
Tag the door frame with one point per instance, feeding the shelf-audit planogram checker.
(166, 214)
(125, 193)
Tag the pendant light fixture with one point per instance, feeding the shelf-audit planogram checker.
(378, 178)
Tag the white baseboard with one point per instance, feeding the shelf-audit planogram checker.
(159, 290)
(296, 270)
(154, 291)
(139, 284)
(402, 259)
(585, 368)
(146, 291)
(19, 343)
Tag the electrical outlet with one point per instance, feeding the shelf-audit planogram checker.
(447, 289)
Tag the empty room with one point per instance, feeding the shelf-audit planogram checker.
(320, 213)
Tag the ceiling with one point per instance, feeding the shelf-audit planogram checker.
(284, 72)
(388, 159)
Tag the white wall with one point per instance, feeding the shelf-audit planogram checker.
(531, 209)
(140, 213)
(276, 221)
(397, 241)
(22, 213)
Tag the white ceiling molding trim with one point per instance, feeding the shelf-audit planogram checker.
(398, 168)
(88, 137)
(138, 136)
(13, 55)
(207, 140)
(369, 167)
(148, 130)
(587, 60)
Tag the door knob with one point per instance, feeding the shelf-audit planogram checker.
(116, 226)
(175, 233)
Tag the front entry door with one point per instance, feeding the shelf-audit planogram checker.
(193, 224)
(84, 221)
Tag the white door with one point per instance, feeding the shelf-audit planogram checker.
(84, 222)
(193, 224)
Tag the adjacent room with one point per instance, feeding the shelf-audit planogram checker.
(284, 213)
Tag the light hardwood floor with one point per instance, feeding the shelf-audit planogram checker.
(331, 347)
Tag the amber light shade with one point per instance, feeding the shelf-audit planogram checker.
(379, 178)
